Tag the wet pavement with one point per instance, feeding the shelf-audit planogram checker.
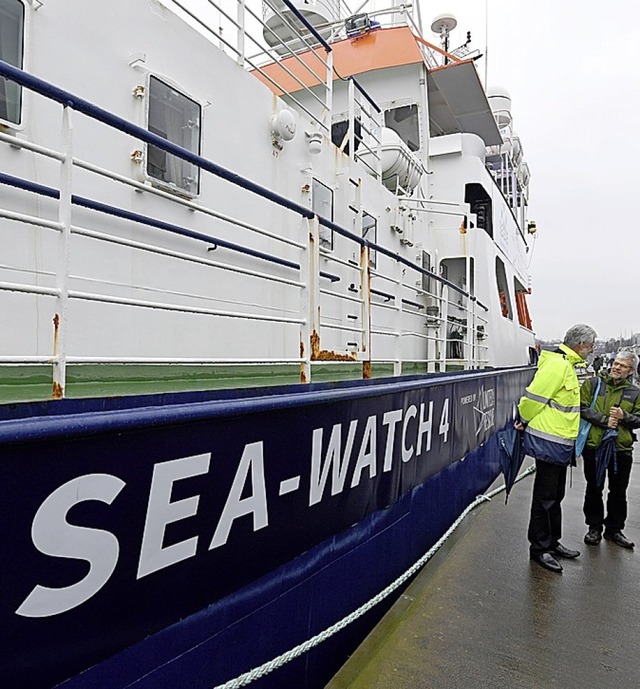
(482, 615)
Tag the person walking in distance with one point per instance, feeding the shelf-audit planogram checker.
(617, 406)
(550, 417)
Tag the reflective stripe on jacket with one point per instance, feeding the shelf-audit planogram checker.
(550, 407)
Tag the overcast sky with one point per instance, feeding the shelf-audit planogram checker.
(573, 73)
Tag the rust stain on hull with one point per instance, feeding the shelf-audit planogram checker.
(328, 355)
(303, 375)
(318, 354)
(57, 391)
(56, 330)
(315, 344)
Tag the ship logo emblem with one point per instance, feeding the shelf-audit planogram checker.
(484, 411)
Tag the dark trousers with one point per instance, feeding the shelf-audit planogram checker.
(545, 523)
(616, 499)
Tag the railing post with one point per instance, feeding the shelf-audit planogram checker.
(352, 120)
(469, 309)
(474, 333)
(397, 361)
(329, 98)
(241, 31)
(469, 338)
(445, 325)
(62, 278)
(365, 277)
(310, 306)
(379, 125)
(365, 291)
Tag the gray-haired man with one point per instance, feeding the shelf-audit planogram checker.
(616, 406)
(550, 416)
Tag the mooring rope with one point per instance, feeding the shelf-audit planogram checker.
(278, 661)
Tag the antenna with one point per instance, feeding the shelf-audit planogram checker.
(442, 25)
(486, 43)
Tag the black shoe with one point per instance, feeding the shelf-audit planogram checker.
(619, 538)
(593, 537)
(561, 551)
(547, 561)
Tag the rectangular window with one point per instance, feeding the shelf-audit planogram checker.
(340, 134)
(428, 283)
(11, 51)
(176, 118)
(503, 290)
(322, 205)
(404, 122)
(522, 309)
(370, 232)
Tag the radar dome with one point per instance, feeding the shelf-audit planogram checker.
(500, 103)
(284, 27)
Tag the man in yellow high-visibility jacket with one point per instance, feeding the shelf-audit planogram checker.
(550, 415)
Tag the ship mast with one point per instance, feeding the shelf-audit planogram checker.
(442, 25)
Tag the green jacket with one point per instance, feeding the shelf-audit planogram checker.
(621, 394)
(550, 407)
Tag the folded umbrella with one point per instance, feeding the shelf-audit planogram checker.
(605, 453)
(510, 442)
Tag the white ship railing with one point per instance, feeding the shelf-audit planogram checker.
(242, 32)
(363, 110)
(366, 336)
(244, 36)
(246, 42)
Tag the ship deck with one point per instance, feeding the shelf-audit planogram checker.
(480, 614)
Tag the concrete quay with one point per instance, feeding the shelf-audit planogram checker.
(482, 615)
